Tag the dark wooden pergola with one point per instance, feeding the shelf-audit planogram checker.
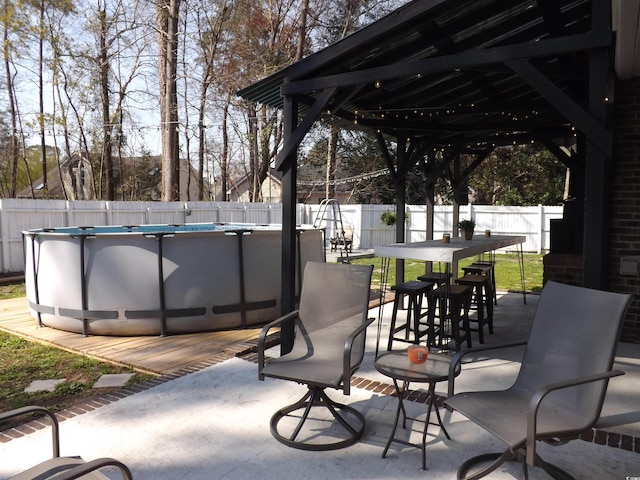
(462, 77)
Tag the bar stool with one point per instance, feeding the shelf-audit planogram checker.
(437, 278)
(484, 267)
(415, 290)
(481, 296)
(453, 303)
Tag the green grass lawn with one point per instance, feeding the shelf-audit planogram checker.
(507, 271)
(24, 361)
(12, 290)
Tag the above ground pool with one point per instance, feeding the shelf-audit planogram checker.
(159, 279)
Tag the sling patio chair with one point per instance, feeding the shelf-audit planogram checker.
(62, 468)
(330, 330)
(562, 381)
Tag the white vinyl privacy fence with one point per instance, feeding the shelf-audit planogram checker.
(363, 221)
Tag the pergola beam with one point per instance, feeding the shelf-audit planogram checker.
(594, 130)
(464, 60)
(292, 142)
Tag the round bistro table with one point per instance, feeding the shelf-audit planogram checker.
(397, 366)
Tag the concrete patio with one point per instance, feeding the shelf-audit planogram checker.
(214, 423)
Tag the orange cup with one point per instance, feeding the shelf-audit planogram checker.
(417, 354)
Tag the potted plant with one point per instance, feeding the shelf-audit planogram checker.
(388, 218)
(467, 227)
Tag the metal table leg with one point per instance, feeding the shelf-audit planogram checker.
(431, 403)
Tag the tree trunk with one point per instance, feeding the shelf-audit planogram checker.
(167, 19)
(303, 30)
(253, 146)
(43, 141)
(330, 190)
(107, 148)
(12, 109)
(201, 141)
(224, 161)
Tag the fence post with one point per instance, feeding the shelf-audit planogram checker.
(4, 238)
(108, 213)
(70, 213)
(540, 227)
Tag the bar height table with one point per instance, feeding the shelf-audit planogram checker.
(458, 248)
(451, 253)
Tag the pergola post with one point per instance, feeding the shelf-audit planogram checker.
(597, 163)
(288, 270)
(401, 199)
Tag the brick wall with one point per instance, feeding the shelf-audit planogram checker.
(624, 210)
(562, 267)
(624, 194)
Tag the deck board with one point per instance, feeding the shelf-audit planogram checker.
(154, 354)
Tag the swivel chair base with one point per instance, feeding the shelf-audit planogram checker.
(499, 458)
(316, 397)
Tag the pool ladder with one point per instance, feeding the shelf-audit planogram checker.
(335, 216)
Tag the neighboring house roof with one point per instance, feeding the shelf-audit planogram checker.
(238, 190)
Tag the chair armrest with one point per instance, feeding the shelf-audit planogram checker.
(55, 429)
(263, 336)
(456, 361)
(536, 400)
(88, 467)
(348, 346)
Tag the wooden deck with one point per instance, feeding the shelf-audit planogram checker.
(152, 354)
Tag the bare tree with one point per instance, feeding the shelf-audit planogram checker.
(344, 20)
(90, 62)
(263, 39)
(10, 24)
(167, 12)
(117, 29)
(211, 22)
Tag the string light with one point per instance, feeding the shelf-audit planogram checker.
(416, 114)
(343, 181)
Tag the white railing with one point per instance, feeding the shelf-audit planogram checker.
(17, 215)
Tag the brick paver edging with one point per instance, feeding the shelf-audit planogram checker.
(247, 351)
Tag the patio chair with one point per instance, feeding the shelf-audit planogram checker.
(63, 468)
(562, 382)
(328, 348)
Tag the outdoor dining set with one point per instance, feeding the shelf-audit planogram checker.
(558, 393)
